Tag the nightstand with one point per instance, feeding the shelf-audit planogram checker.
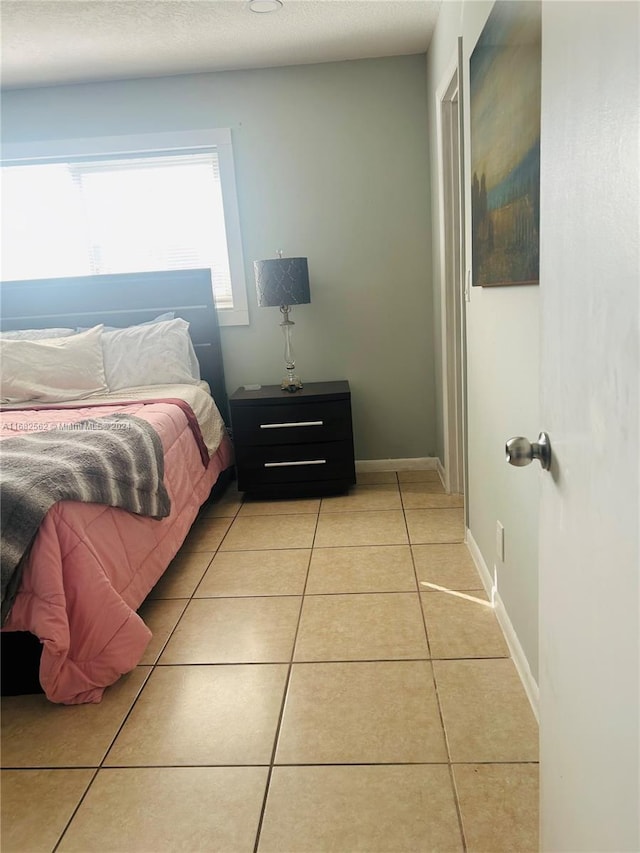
(293, 445)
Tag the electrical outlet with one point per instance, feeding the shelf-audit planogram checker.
(500, 541)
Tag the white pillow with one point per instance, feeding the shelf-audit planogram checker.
(53, 369)
(155, 354)
(35, 334)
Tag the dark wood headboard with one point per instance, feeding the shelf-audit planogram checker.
(123, 299)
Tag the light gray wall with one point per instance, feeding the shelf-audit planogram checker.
(502, 374)
(331, 164)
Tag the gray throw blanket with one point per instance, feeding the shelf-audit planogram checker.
(115, 460)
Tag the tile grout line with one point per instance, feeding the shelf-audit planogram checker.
(440, 713)
(227, 765)
(284, 694)
(437, 696)
(82, 798)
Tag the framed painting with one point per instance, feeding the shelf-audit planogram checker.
(505, 146)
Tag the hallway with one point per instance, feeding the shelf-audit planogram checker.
(324, 675)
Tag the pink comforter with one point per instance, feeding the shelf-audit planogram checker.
(92, 566)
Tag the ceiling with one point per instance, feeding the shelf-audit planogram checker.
(49, 42)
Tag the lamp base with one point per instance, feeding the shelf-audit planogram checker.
(291, 383)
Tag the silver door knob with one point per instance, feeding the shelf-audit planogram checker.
(520, 451)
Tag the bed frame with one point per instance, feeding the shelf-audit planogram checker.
(123, 299)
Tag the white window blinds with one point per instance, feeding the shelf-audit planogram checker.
(124, 214)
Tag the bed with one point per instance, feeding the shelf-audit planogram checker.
(80, 580)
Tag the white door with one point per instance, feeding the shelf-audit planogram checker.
(589, 556)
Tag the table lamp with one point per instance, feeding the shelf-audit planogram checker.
(284, 282)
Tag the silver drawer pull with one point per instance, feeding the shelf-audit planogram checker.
(301, 462)
(294, 424)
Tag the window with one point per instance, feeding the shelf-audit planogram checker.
(126, 206)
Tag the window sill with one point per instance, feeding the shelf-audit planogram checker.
(233, 317)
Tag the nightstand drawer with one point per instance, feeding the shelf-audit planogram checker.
(294, 463)
(301, 423)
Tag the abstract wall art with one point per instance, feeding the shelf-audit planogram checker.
(505, 146)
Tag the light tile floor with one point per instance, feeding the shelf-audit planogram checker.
(324, 675)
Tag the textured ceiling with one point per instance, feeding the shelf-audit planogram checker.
(45, 42)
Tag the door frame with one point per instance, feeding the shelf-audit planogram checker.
(453, 292)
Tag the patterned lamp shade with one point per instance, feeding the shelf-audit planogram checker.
(282, 281)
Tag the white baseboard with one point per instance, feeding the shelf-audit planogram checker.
(441, 473)
(423, 463)
(517, 653)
